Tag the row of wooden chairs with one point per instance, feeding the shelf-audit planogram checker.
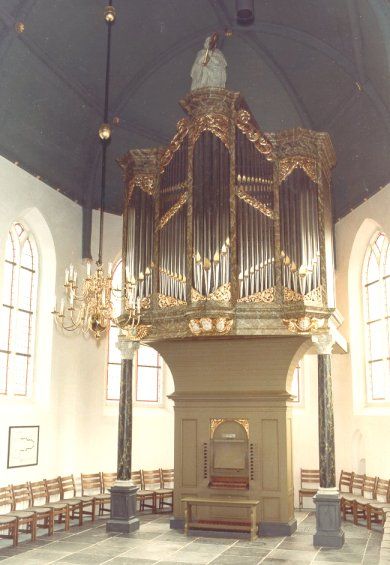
(40, 504)
(364, 497)
(155, 489)
(31, 505)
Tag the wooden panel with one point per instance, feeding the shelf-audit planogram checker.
(189, 460)
(269, 455)
(290, 480)
(271, 509)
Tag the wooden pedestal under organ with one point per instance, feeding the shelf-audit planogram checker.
(228, 248)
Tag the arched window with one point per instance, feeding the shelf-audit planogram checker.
(17, 315)
(376, 286)
(147, 360)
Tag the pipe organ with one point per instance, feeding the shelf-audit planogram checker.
(228, 229)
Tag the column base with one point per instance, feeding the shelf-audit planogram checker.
(277, 528)
(328, 519)
(123, 508)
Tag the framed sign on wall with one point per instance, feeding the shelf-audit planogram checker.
(23, 443)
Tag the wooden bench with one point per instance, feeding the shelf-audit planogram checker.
(191, 501)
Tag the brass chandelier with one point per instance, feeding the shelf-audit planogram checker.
(89, 306)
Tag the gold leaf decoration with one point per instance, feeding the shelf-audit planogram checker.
(210, 326)
(314, 297)
(172, 210)
(182, 130)
(288, 164)
(241, 193)
(261, 143)
(147, 183)
(289, 295)
(216, 123)
(197, 296)
(169, 301)
(267, 295)
(304, 325)
(216, 422)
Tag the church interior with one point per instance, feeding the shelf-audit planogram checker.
(195, 281)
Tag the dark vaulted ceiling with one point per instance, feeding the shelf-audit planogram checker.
(321, 64)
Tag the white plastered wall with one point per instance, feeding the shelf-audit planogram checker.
(78, 427)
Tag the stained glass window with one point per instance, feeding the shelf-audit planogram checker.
(17, 312)
(376, 283)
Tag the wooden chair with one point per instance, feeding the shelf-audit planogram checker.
(376, 509)
(91, 485)
(108, 480)
(345, 481)
(68, 485)
(310, 483)
(76, 505)
(143, 495)
(45, 514)
(8, 523)
(345, 486)
(165, 492)
(348, 498)
(359, 508)
(27, 517)
(60, 507)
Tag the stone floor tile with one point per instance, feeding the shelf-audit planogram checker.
(129, 561)
(192, 557)
(293, 555)
(338, 557)
(235, 560)
(246, 552)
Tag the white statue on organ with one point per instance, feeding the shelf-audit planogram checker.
(209, 68)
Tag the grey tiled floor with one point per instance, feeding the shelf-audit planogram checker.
(156, 543)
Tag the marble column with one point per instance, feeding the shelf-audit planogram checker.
(124, 492)
(327, 500)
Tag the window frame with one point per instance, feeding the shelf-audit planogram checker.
(159, 369)
(20, 236)
(381, 256)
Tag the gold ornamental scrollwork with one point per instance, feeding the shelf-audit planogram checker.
(221, 294)
(290, 295)
(314, 297)
(267, 295)
(287, 166)
(181, 131)
(136, 334)
(147, 183)
(210, 326)
(172, 210)
(197, 296)
(216, 123)
(259, 206)
(261, 143)
(216, 422)
(305, 324)
(145, 303)
(169, 301)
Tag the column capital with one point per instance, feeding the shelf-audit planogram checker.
(324, 343)
(127, 347)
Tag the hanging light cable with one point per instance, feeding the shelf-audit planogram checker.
(88, 307)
